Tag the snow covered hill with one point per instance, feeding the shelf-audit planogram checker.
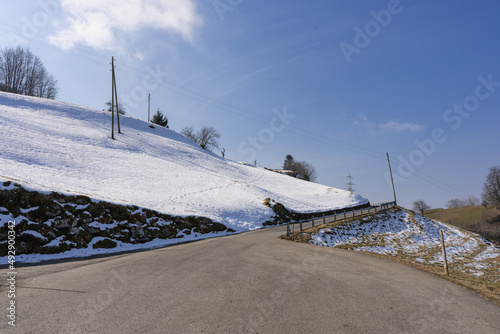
(53, 146)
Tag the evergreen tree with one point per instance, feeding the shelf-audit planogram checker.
(288, 164)
(160, 119)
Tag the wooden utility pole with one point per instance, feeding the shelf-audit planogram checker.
(392, 180)
(114, 101)
(149, 106)
(116, 98)
(112, 98)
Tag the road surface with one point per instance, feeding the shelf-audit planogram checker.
(248, 283)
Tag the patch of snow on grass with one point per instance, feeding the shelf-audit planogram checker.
(405, 232)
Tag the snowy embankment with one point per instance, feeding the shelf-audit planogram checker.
(52, 146)
(407, 233)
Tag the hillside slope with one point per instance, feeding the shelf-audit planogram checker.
(53, 146)
(478, 219)
(407, 237)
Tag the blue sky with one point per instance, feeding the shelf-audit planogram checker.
(334, 83)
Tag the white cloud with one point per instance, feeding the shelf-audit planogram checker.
(390, 126)
(139, 55)
(398, 127)
(105, 24)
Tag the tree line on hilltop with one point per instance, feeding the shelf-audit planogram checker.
(22, 72)
(489, 196)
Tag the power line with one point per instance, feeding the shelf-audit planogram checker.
(207, 100)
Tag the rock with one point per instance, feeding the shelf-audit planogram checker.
(82, 200)
(74, 230)
(63, 222)
(105, 243)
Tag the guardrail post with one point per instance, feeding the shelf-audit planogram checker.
(288, 228)
(345, 217)
(324, 220)
(334, 217)
(361, 211)
(313, 221)
(301, 225)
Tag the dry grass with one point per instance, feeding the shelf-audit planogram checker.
(477, 219)
(461, 217)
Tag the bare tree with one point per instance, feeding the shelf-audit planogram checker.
(420, 206)
(455, 203)
(472, 200)
(121, 109)
(491, 188)
(305, 170)
(207, 137)
(302, 169)
(189, 133)
(22, 72)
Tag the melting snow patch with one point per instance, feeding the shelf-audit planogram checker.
(404, 232)
(103, 226)
(34, 233)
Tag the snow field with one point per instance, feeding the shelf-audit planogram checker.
(53, 146)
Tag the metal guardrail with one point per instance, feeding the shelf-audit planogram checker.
(378, 207)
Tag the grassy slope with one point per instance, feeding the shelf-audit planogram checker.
(461, 217)
(477, 219)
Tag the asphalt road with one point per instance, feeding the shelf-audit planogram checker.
(248, 283)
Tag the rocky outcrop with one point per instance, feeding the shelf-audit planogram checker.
(48, 223)
(284, 215)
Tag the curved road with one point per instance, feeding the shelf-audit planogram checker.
(247, 283)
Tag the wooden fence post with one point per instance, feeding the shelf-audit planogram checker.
(288, 228)
(301, 225)
(313, 221)
(443, 249)
(324, 220)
